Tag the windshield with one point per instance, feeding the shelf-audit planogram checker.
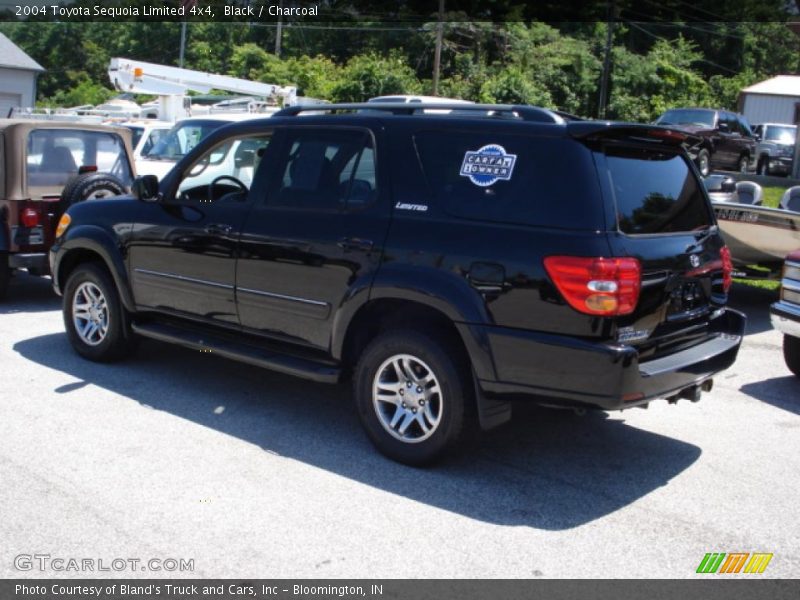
(683, 116)
(181, 139)
(781, 134)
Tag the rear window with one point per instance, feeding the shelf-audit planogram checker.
(55, 155)
(526, 180)
(656, 192)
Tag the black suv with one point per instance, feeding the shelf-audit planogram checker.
(447, 262)
(725, 140)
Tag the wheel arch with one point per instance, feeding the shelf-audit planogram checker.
(92, 244)
(447, 305)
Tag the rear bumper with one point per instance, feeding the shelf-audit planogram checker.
(785, 318)
(29, 260)
(566, 371)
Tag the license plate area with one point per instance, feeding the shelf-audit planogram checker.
(28, 236)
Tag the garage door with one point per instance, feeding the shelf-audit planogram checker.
(9, 101)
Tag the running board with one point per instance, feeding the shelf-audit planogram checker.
(260, 357)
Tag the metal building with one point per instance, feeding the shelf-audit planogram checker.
(775, 100)
(18, 73)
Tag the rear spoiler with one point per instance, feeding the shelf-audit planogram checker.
(609, 130)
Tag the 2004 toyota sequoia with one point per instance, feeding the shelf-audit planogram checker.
(448, 259)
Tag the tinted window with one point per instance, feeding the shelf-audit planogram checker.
(552, 183)
(655, 192)
(325, 170)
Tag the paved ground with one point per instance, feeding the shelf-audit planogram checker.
(175, 454)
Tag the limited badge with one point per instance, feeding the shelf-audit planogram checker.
(487, 165)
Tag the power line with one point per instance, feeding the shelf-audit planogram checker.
(703, 60)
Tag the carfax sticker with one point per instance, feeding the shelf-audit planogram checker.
(488, 164)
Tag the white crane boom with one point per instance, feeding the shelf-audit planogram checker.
(172, 84)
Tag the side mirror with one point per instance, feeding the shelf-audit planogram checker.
(724, 128)
(145, 188)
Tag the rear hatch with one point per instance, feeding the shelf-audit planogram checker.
(659, 213)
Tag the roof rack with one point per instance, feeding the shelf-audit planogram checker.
(516, 111)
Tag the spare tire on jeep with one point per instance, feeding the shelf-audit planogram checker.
(88, 186)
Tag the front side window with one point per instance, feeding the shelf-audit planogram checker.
(227, 168)
(325, 170)
(56, 155)
(655, 192)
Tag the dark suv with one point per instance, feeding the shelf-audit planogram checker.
(725, 139)
(448, 263)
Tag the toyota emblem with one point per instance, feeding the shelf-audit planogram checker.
(695, 260)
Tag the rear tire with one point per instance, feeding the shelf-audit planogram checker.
(98, 326)
(763, 166)
(703, 162)
(5, 275)
(791, 353)
(411, 392)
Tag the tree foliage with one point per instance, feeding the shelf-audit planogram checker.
(654, 66)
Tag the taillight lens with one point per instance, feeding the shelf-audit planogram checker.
(29, 217)
(727, 268)
(597, 286)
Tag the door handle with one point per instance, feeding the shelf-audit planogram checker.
(218, 229)
(351, 243)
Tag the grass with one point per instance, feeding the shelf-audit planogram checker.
(772, 196)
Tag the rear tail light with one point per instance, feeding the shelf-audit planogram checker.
(727, 268)
(597, 286)
(29, 217)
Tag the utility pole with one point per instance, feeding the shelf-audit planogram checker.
(437, 53)
(183, 44)
(601, 107)
(279, 31)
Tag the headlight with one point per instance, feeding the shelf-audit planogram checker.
(63, 223)
(787, 150)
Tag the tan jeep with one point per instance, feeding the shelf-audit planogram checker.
(46, 166)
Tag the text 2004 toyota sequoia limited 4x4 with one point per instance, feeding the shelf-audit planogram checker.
(446, 262)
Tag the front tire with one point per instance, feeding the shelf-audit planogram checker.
(411, 392)
(791, 353)
(743, 164)
(98, 326)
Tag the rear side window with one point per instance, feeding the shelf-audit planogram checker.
(656, 192)
(526, 180)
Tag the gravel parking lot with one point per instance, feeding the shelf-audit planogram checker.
(176, 454)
